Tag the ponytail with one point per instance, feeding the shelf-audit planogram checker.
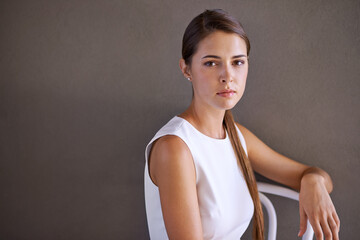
(258, 220)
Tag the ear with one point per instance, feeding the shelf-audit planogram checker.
(185, 69)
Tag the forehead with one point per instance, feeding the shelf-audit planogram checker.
(221, 43)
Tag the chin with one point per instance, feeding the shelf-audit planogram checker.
(227, 106)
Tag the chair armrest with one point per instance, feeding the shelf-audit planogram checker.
(283, 192)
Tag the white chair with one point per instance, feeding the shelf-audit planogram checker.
(283, 192)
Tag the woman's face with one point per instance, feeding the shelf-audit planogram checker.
(218, 70)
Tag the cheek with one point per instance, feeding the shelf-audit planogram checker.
(242, 77)
(204, 87)
(241, 91)
(204, 82)
(241, 84)
(202, 72)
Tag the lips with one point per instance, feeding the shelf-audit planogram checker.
(226, 93)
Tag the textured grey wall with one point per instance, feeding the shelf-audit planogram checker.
(84, 85)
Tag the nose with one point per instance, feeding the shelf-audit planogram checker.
(226, 75)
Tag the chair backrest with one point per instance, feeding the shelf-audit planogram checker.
(283, 192)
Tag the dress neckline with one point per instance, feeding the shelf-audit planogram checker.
(206, 136)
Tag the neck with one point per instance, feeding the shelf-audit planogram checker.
(209, 121)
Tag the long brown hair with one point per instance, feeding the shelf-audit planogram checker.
(200, 27)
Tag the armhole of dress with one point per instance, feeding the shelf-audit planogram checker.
(147, 158)
(242, 139)
(148, 152)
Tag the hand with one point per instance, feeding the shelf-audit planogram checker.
(315, 204)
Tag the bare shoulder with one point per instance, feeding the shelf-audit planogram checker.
(169, 147)
(168, 154)
(169, 143)
(244, 131)
(172, 170)
(252, 142)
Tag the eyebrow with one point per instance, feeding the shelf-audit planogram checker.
(214, 56)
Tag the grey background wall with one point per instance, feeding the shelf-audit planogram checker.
(84, 85)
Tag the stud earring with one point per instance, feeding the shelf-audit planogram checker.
(188, 78)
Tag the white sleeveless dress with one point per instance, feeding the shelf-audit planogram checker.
(225, 204)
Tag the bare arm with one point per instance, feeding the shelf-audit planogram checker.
(276, 166)
(173, 171)
(313, 183)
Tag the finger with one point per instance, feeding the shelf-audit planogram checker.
(303, 222)
(337, 220)
(334, 228)
(326, 228)
(317, 229)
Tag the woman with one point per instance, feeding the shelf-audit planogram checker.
(199, 179)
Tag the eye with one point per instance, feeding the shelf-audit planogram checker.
(239, 62)
(210, 63)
